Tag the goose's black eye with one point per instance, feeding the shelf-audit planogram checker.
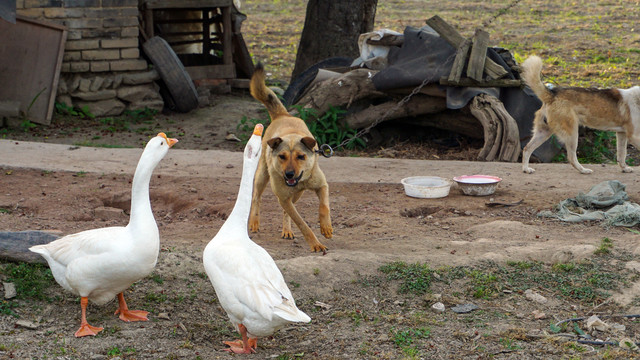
(161, 143)
(301, 157)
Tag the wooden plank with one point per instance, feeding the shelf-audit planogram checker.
(460, 61)
(446, 31)
(227, 52)
(211, 72)
(30, 60)
(186, 4)
(475, 69)
(466, 82)
(451, 35)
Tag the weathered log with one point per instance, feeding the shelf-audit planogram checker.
(466, 82)
(340, 91)
(417, 105)
(501, 136)
(14, 245)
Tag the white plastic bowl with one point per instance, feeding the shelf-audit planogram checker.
(477, 185)
(426, 187)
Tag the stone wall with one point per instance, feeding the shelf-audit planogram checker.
(102, 67)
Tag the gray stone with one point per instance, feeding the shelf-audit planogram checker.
(464, 308)
(9, 290)
(75, 83)
(26, 324)
(84, 85)
(62, 87)
(140, 78)
(117, 80)
(137, 93)
(110, 107)
(108, 81)
(96, 84)
(95, 95)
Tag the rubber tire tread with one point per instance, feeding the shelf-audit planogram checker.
(183, 93)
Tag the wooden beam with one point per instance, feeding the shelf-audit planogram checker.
(186, 4)
(466, 82)
(460, 61)
(475, 69)
(451, 35)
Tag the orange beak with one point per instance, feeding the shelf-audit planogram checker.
(170, 141)
(258, 129)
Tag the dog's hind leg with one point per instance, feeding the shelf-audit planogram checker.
(621, 152)
(571, 144)
(259, 184)
(287, 232)
(541, 133)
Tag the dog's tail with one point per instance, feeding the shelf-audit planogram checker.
(531, 69)
(261, 92)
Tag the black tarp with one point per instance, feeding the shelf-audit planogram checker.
(8, 10)
(425, 55)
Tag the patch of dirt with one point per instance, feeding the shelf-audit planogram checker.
(356, 311)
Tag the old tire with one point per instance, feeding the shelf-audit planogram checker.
(179, 85)
(296, 88)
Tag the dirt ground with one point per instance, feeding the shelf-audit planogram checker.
(356, 311)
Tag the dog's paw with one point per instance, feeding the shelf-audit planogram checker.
(254, 226)
(586, 171)
(627, 169)
(327, 231)
(528, 170)
(319, 247)
(288, 234)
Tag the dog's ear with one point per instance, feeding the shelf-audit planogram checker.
(274, 143)
(309, 142)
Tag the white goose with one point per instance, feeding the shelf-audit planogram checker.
(249, 285)
(99, 264)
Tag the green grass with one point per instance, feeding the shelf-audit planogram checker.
(30, 280)
(587, 281)
(605, 247)
(326, 129)
(415, 278)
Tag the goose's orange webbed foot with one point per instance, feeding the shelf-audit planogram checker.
(129, 315)
(88, 330)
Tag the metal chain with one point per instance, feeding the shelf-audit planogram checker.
(327, 151)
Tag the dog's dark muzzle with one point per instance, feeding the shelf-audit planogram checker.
(290, 178)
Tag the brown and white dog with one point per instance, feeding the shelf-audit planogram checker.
(564, 109)
(290, 163)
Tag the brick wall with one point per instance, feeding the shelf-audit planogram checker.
(102, 67)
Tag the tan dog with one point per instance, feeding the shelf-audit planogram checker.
(290, 161)
(565, 109)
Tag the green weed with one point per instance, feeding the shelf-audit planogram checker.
(605, 247)
(31, 280)
(326, 129)
(415, 278)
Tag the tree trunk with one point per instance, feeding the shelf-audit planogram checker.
(331, 28)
